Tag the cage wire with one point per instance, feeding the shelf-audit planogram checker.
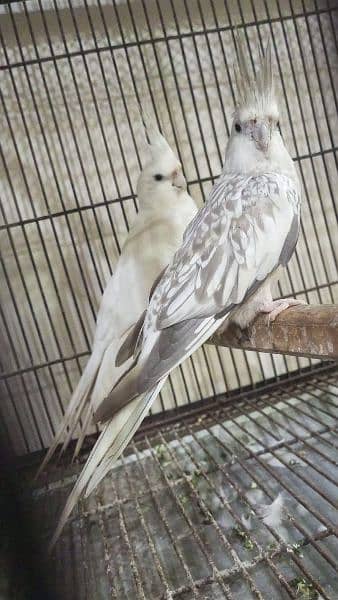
(72, 146)
(185, 498)
(183, 513)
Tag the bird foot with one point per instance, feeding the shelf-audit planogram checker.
(275, 307)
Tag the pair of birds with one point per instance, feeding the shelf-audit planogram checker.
(168, 295)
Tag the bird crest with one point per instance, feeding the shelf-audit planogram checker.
(160, 151)
(255, 90)
(155, 139)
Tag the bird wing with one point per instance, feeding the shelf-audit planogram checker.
(246, 230)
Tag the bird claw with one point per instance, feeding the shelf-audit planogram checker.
(276, 307)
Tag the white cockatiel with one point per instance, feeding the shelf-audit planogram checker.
(223, 270)
(165, 209)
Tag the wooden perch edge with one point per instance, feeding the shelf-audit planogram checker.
(307, 330)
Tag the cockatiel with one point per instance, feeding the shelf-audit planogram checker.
(165, 209)
(223, 270)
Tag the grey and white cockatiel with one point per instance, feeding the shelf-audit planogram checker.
(223, 270)
(231, 251)
(165, 209)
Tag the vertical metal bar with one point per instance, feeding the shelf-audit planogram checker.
(149, 538)
(164, 520)
(66, 163)
(124, 536)
(307, 138)
(225, 542)
(17, 418)
(327, 524)
(252, 507)
(57, 291)
(86, 566)
(186, 517)
(152, 96)
(266, 490)
(15, 354)
(323, 103)
(98, 112)
(108, 558)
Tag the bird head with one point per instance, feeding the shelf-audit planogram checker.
(162, 176)
(255, 143)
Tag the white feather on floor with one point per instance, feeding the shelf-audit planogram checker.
(272, 514)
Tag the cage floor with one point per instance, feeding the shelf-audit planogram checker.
(182, 514)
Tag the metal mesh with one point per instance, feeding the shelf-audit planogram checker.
(180, 515)
(72, 147)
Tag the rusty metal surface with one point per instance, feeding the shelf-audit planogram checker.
(179, 517)
(310, 331)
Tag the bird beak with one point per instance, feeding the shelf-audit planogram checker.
(262, 136)
(178, 180)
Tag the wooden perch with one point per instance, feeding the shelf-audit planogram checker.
(310, 331)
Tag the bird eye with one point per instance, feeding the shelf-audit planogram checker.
(238, 127)
(158, 177)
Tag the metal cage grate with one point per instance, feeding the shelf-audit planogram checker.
(179, 516)
(72, 74)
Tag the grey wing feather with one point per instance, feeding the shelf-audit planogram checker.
(290, 241)
(170, 349)
(131, 344)
(172, 344)
(156, 282)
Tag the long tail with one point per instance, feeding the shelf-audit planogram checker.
(75, 407)
(111, 443)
